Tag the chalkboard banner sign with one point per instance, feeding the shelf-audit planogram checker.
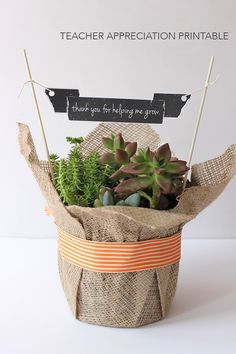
(116, 109)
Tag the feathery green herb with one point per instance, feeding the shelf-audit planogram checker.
(79, 178)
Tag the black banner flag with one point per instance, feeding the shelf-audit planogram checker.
(116, 109)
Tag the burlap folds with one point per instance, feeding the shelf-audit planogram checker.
(137, 298)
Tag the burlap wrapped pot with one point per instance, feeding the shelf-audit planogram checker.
(136, 298)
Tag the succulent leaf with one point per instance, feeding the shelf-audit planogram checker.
(131, 149)
(178, 167)
(107, 199)
(143, 156)
(119, 142)
(97, 203)
(137, 159)
(108, 142)
(102, 192)
(121, 157)
(119, 174)
(165, 183)
(149, 154)
(133, 200)
(136, 168)
(140, 157)
(163, 154)
(132, 185)
(107, 158)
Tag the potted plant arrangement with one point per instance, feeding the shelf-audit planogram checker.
(119, 205)
(120, 176)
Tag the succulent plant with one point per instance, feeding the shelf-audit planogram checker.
(156, 172)
(107, 197)
(120, 151)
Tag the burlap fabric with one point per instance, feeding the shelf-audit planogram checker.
(126, 299)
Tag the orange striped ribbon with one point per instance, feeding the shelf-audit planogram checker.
(119, 257)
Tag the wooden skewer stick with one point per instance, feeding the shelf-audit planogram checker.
(39, 115)
(199, 116)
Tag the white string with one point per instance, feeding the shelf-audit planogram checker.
(51, 93)
(207, 84)
(184, 98)
(203, 87)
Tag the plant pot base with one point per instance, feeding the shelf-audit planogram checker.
(125, 300)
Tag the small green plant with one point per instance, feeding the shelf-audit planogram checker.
(79, 178)
(106, 197)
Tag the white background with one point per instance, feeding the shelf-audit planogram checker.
(113, 69)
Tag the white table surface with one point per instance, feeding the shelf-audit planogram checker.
(35, 317)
